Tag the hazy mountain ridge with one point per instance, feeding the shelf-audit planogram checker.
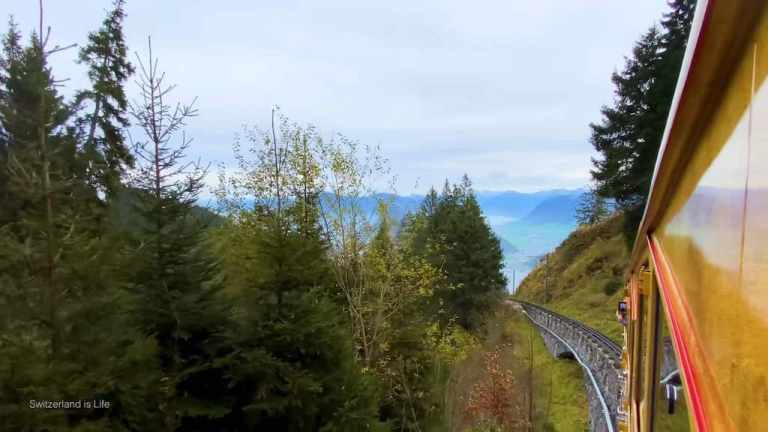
(558, 209)
(528, 225)
(519, 204)
(532, 224)
(557, 205)
(550, 206)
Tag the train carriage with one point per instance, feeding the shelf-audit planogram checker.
(697, 306)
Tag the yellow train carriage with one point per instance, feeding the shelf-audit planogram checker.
(696, 353)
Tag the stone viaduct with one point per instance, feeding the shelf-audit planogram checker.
(599, 357)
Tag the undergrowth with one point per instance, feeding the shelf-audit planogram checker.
(511, 383)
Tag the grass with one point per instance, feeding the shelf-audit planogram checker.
(559, 400)
(582, 278)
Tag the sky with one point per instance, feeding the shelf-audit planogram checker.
(503, 91)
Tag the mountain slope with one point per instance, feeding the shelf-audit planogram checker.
(507, 247)
(516, 205)
(126, 218)
(582, 278)
(558, 209)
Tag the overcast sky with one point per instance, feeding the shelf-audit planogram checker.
(503, 90)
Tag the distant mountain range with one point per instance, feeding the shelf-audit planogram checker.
(557, 209)
(528, 225)
(551, 206)
(546, 207)
(518, 205)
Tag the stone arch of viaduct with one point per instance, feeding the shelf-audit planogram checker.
(599, 357)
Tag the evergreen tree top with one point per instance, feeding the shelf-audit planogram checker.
(106, 54)
(629, 134)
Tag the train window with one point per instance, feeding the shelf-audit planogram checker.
(670, 412)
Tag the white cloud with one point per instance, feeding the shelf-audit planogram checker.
(502, 90)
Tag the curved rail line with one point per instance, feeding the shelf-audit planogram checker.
(594, 334)
(608, 346)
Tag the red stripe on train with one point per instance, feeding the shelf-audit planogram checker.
(669, 286)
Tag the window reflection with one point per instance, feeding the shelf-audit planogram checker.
(670, 411)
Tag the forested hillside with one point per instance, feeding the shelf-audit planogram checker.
(125, 306)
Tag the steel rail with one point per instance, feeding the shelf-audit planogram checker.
(596, 335)
(603, 404)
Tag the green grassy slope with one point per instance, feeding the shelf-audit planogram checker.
(559, 400)
(560, 403)
(582, 278)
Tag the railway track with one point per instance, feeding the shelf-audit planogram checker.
(597, 354)
(600, 338)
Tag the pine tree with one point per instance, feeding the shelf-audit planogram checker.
(455, 237)
(294, 366)
(629, 135)
(592, 208)
(475, 261)
(626, 127)
(172, 272)
(62, 333)
(108, 69)
(9, 67)
(33, 118)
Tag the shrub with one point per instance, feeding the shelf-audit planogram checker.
(612, 286)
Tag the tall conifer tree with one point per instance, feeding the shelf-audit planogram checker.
(62, 336)
(9, 67)
(455, 237)
(171, 271)
(629, 135)
(33, 118)
(108, 68)
(294, 367)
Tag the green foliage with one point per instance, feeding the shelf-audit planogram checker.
(64, 334)
(451, 234)
(67, 337)
(307, 241)
(108, 69)
(440, 289)
(592, 208)
(33, 119)
(170, 270)
(612, 286)
(629, 135)
(299, 313)
(522, 364)
(409, 350)
(293, 366)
